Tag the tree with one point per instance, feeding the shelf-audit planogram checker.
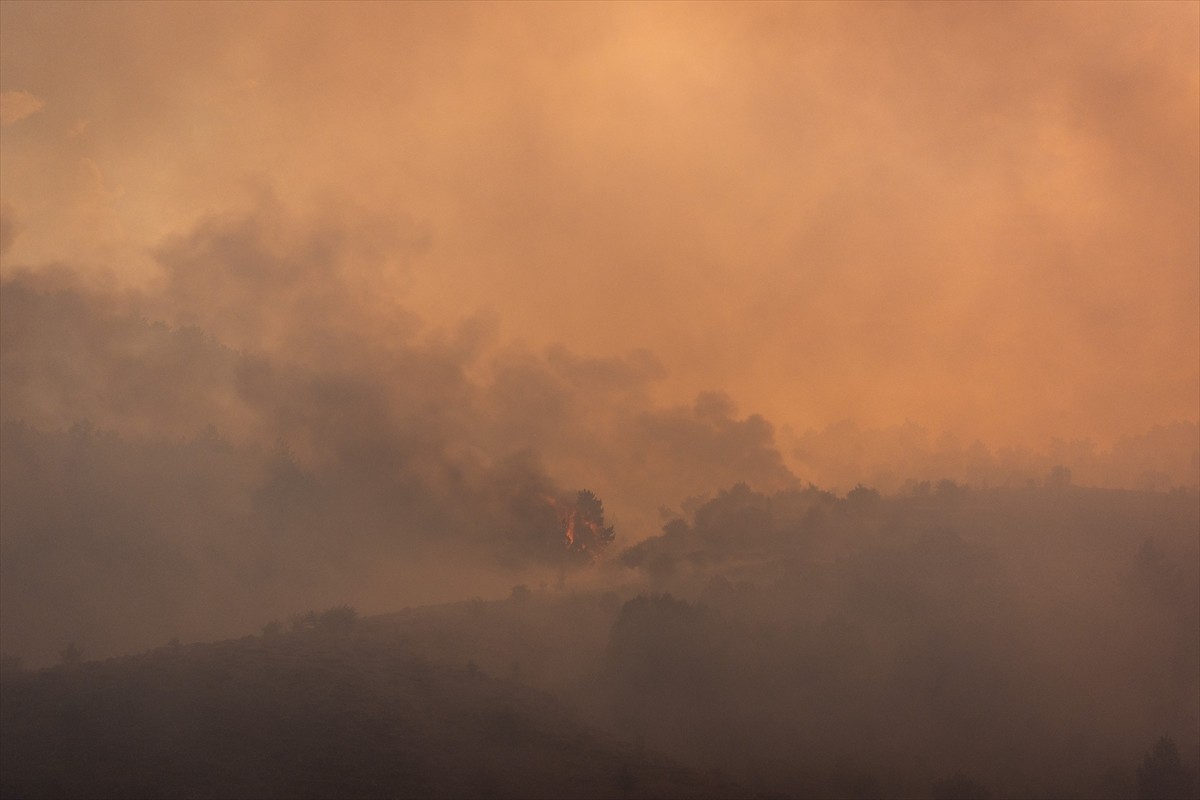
(1059, 477)
(1162, 775)
(948, 489)
(591, 513)
(862, 497)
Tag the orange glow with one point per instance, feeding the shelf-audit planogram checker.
(979, 218)
(570, 520)
(567, 518)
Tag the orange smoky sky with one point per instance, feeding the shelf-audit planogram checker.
(981, 217)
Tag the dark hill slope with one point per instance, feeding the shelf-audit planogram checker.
(305, 715)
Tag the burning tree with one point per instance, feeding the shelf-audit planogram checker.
(553, 527)
(581, 524)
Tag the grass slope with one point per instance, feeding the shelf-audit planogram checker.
(355, 714)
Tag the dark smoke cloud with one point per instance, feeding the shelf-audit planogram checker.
(830, 210)
(269, 424)
(321, 286)
(262, 427)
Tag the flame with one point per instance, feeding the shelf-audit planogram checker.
(572, 523)
(568, 518)
(570, 531)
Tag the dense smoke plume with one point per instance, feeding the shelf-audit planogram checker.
(829, 211)
(322, 306)
(332, 451)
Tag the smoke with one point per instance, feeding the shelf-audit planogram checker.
(267, 425)
(831, 212)
(9, 227)
(505, 253)
(897, 458)
(16, 105)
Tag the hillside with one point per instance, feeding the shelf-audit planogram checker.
(355, 714)
(949, 642)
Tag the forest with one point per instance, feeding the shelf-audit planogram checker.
(947, 642)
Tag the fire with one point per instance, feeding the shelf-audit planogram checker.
(582, 523)
(568, 518)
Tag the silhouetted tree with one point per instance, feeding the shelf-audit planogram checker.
(1059, 477)
(948, 489)
(1163, 776)
(861, 496)
(591, 512)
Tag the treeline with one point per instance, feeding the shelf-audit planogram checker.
(892, 459)
(1031, 642)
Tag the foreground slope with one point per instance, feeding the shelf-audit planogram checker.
(306, 715)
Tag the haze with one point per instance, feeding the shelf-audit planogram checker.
(660, 399)
(979, 218)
